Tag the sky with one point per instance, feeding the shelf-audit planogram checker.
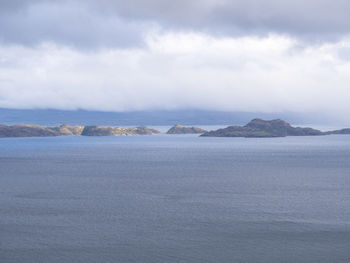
(238, 55)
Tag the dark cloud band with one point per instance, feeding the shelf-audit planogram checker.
(119, 23)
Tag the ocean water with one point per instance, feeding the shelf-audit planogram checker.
(175, 198)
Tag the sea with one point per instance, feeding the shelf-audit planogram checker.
(175, 198)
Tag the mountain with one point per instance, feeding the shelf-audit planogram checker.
(51, 117)
(179, 129)
(263, 128)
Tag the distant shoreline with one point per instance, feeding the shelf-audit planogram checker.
(257, 128)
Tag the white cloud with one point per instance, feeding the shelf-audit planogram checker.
(180, 70)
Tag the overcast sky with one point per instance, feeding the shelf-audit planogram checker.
(238, 55)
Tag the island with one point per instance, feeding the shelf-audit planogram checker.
(342, 131)
(117, 131)
(179, 129)
(258, 128)
(25, 130)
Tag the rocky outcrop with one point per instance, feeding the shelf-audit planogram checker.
(179, 129)
(116, 131)
(262, 128)
(66, 129)
(143, 130)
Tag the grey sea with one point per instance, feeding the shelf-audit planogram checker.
(175, 198)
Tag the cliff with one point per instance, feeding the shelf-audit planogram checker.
(178, 129)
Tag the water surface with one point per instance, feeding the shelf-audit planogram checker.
(175, 198)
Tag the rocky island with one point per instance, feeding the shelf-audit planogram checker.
(116, 131)
(259, 128)
(179, 129)
(24, 130)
